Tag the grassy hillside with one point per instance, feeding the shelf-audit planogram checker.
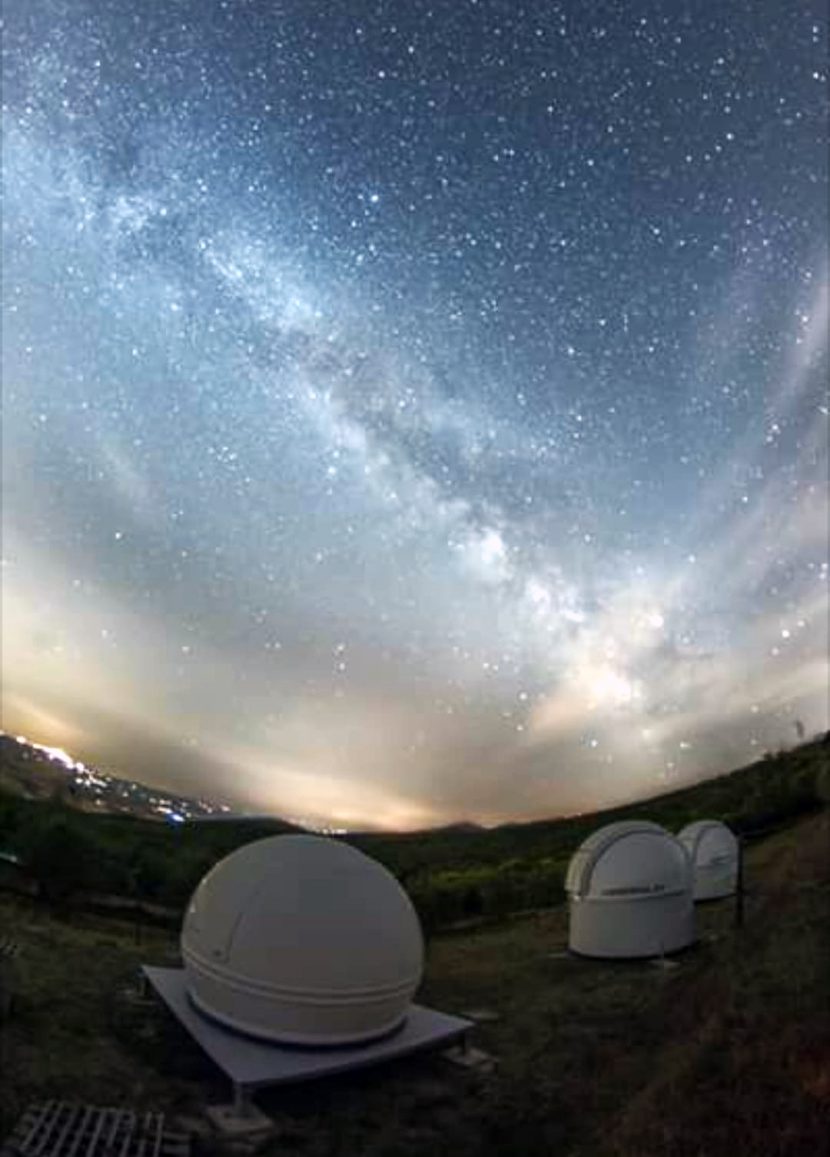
(726, 1053)
(452, 874)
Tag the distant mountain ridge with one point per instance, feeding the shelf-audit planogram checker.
(35, 772)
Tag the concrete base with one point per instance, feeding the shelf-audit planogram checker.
(466, 1057)
(481, 1015)
(663, 963)
(239, 1121)
(139, 996)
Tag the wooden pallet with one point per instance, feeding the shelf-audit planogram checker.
(60, 1129)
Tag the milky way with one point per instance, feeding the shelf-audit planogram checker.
(415, 411)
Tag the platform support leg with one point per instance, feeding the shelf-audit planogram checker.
(241, 1100)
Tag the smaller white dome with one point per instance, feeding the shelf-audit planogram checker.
(303, 940)
(714, 852)
(630, 891)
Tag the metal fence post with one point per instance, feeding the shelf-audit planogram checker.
(739, 885)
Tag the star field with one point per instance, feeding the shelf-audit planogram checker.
(416, 411)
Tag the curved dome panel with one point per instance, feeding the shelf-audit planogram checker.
(628, 858)
(630, 890)
(714, 853)
(302, 939)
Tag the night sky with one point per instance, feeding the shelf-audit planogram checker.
(415, 411)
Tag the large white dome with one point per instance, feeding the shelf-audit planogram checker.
(304, 940)
(630, 891)
(714, 854)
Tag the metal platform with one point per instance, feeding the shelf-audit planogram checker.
(60, 1129)
(252, 1064)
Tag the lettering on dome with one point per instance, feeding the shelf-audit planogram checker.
(638, 890)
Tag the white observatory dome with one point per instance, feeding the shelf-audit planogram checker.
(630, 892)
(713, 850)
(302, 940)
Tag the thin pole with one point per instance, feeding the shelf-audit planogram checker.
(739, 886)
